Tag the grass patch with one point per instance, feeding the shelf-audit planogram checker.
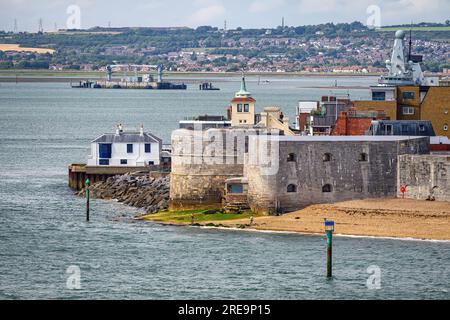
(200, 216)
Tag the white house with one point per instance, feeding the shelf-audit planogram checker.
(125, 149)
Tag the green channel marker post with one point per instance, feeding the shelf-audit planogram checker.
(88, 183)
(329, 228)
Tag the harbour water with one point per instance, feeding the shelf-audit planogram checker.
(45, 126)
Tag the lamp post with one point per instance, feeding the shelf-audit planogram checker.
(329, 228)
(88, 183)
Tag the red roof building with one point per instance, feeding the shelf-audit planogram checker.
(355, 123)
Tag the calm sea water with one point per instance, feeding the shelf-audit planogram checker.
(44, 127)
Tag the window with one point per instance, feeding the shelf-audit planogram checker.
(408, 95)
(379, 96)
(291, 188)
(363, 157)
(387, 129)
(291, 157)
(408, 110)
(326, 188)
(151, 163)
(104, 162)
(445, 127)
(327, 157)
(246, 107)
(239, 107)
(236, 188)
(129, 148)
(421, 128)
(104, 150)
(123, 161)
(405, 129)
(148, 148)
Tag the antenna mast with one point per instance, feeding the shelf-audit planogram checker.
(410, 42)
(41, 28)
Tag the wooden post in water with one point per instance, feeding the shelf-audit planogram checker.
(88, 183)
(329, 228)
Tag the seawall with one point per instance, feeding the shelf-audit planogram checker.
(139, 190)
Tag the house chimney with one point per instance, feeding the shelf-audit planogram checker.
(120, 128)
(117, 130)
(141, 132)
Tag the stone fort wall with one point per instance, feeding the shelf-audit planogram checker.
(424, 176)
(202, 161)
(345, 175)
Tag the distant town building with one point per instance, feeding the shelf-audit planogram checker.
(319, 118)
(355, 123)
(243, 107)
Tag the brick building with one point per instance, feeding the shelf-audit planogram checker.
(355, 123)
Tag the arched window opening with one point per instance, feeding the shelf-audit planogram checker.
(327, 157)
(291, 188)
(363, 157)
(292, 157)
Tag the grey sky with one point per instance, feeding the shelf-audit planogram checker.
(244, 13)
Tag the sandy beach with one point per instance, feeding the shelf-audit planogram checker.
(398, 218)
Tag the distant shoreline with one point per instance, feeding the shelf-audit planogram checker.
(12, 76)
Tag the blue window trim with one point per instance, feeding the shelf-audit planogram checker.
(129, 148)
(408, 95)
(123, 161)
(104, 150)
(379, 96)
(148, 148)
(236, 188)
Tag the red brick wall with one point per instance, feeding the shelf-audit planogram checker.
(302, 118)
(439, 147)
(346, 126)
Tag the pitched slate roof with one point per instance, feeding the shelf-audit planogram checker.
(127, 137)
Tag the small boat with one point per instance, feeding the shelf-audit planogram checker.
(82, 85)
(263, 81)
(207, 86)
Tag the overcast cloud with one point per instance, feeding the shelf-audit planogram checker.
(192, 13)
